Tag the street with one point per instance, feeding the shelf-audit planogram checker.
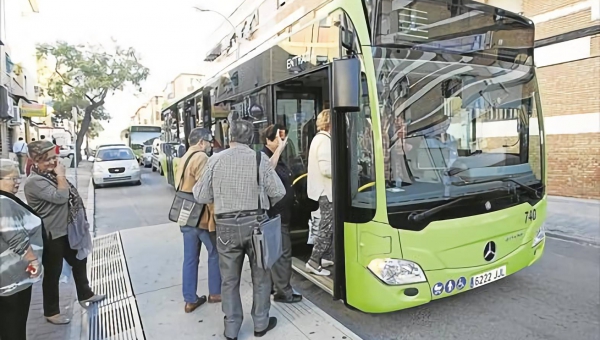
(557, 298)
(122, 207)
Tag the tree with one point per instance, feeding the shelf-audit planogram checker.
(84, 75)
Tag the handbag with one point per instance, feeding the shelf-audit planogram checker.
(185, 211)
(266, 236)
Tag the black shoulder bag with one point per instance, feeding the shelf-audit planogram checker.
(184, 209)
(266, 236)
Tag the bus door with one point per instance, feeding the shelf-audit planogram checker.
(297, 103)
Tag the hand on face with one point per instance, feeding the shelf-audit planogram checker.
(281, 139)
(59, 170)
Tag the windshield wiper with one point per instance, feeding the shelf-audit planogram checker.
(507, 179)
(417, 217)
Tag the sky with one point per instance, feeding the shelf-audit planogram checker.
(170, 36)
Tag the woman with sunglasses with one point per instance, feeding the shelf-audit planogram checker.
(66, 233)
(20, 253)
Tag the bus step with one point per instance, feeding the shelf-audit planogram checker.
(322, 282)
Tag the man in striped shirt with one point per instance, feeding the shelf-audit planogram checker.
(230, 182)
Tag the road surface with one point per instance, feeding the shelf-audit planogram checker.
(558, 298)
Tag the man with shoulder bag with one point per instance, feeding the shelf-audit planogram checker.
(191, 167)
(243, 186)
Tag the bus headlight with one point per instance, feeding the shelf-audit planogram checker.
(539, 237)
(397, 272)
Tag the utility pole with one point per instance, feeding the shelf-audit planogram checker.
(75, 116)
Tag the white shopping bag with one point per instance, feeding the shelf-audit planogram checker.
(66, 273)
(313, 225)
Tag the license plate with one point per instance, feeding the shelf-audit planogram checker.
(487, 277)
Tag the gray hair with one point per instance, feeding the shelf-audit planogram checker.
(8, 167)
(198, 134)
(241, 131)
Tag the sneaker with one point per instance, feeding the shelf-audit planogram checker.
(326, 263)
(317, 271)
(272, 324)
(58, 319)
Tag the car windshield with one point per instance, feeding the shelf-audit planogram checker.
(447, 124)
(106, 155)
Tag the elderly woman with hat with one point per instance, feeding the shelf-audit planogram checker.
(66, 233)
(20, 254)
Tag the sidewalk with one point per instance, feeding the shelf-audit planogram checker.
(574, 219)
(154, 255)
(37, 326)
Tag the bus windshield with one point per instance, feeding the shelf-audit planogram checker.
(450, 125)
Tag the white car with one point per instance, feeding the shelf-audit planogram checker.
(146, 160)
(67, 150)
(115, 164)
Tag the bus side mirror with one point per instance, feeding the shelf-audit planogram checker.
(126, 135)
(346, 85)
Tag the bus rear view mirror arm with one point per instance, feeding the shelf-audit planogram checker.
(346, 85)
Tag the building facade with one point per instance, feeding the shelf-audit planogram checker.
(18, 84)
(149, 112)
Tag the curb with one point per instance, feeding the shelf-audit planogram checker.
(576, 239)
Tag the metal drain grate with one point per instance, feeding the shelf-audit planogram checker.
(116, 317)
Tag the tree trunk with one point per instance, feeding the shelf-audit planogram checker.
(83, 128)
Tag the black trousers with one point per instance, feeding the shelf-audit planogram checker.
(14, 310)
(54, 252)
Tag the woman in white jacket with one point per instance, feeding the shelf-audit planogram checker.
(320, 189)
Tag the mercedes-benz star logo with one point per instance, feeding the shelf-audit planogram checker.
(489, 251)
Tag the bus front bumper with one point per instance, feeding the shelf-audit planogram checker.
(383, 298)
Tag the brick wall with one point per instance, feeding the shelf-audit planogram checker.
(568, 23)
(570, 88)
(535, 7)
(574, 165)
(595, 48)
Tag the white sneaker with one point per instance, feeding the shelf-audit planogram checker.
(326, 263)
(317, 271)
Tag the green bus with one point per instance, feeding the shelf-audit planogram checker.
(136, 136)
(439, 164)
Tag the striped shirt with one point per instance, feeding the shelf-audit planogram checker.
(230, 181)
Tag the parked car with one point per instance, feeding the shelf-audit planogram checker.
(67, 150)
(115, 164)
(146, 160)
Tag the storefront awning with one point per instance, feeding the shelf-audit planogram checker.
(33, 109)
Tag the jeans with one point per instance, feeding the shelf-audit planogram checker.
(14, 310)
(54, 252)
(234, 242)
(193, 238)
